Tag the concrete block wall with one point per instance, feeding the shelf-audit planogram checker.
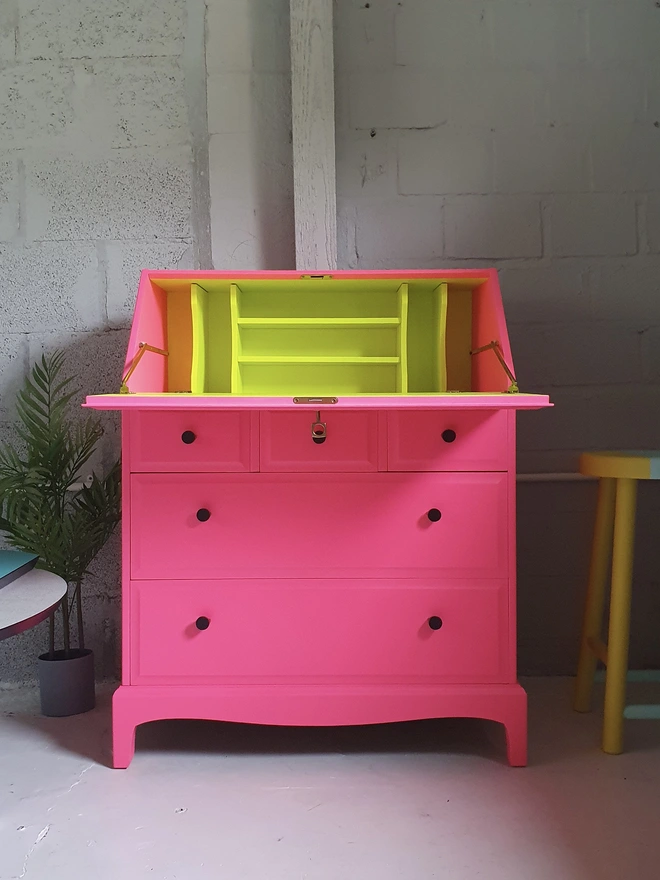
(102, 149)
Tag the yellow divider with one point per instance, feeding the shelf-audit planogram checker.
(199, 309)
(440, 294)
(236, 384)
(402, 370)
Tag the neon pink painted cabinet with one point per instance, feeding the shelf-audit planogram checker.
(319, 501)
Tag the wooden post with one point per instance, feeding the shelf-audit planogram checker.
(313, 118)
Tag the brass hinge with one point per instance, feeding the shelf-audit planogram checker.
(142, 347)
(495, 346)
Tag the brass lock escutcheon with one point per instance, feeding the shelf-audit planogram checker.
(319, 429)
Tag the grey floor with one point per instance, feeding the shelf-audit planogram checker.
(415, 801)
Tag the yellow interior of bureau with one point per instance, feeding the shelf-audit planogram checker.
(319, 336)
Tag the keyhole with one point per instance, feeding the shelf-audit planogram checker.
(318, 430)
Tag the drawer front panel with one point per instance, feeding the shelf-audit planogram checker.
(193, 441)
(350, 443)
(447, 441)
(297, 525)
(328, 630)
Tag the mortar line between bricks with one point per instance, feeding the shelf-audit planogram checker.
(184, 239)
(66, 59)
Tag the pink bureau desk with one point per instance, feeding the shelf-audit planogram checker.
(318, 501)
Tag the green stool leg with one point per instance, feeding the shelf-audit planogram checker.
(619, 626)
(593, 611)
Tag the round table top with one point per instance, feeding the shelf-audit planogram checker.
(28, 600)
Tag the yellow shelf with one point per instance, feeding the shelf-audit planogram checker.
(289, 359)
(293, 323)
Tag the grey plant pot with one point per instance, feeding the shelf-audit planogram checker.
(67, 683)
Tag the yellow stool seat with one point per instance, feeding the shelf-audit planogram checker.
(614, 532)
(621, 465)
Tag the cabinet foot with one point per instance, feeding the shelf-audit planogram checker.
(516, 742)
(123, 731)
(515, 726)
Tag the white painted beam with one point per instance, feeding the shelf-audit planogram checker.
(313, 122)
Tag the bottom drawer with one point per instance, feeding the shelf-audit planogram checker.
(194, 632)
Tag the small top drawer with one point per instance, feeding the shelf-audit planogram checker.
(447, 441)
(335, 441)
(194, 440)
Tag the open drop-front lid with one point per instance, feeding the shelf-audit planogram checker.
(408, 339)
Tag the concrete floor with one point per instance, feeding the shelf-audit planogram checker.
(423, 800)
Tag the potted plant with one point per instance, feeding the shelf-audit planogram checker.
(46, 509)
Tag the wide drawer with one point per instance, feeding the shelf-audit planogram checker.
(187, 632)
(193, 441)
(448, 441)
(320, 525)
(320, 442)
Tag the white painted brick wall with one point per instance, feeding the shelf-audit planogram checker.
(97, 175)
(367, 164)
(79, 29)
(411, 227)
(653, 222)
(247, 35)
(51, 286)
(594, 224)
(9, 210)
(493, 226)
(537, 34)
(440, 161)
(625, 159)
(8, 23)
(541, 159)
(365, 40)
(430, 35)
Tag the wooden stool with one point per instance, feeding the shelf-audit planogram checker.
(614, 530)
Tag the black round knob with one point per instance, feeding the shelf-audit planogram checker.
(203, 514)
(449, 436)
(435, 622)
(189, 437)
(434, 514)
(202, 623)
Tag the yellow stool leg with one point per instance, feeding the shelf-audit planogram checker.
(593, 610)
(619, 629)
